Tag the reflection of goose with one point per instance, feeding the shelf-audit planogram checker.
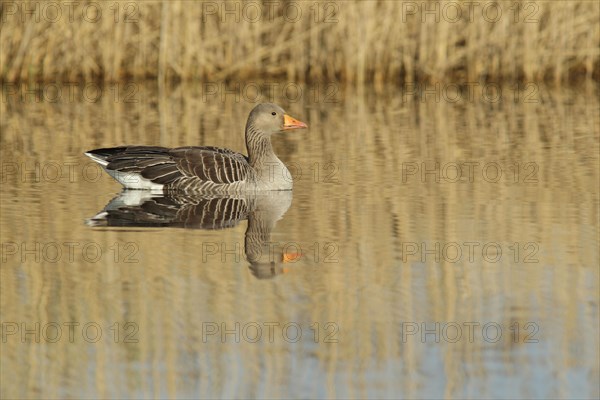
(206, 169)
(262, 210)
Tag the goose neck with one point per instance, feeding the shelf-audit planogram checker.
(258, 146)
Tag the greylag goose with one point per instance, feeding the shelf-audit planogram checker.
(206, 169)
(209, 212)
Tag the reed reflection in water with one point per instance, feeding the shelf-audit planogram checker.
(360, 206)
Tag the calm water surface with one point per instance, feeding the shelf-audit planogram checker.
(429, 249)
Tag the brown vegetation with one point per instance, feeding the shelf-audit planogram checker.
(354, 42)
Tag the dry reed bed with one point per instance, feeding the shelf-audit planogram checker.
(355, 42)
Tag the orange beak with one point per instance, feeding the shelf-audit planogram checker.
(292, 123)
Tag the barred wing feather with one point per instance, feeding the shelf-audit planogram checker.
(185, 167)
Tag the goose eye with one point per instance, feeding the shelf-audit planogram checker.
(273, 113)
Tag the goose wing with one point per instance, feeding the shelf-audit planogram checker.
(182, 165)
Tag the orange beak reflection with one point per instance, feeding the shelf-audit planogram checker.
(292, 123)
(291, 257)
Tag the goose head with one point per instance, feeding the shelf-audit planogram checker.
(268, 118)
